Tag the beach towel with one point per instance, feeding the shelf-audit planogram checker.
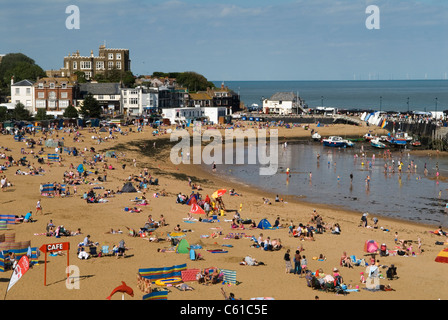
(442, 256)
(189, 275)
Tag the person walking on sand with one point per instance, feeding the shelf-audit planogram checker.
(38, 207)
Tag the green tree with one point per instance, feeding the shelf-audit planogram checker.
(3, 114)
(90, 107)
(81, 76)
(41, 114)
(20, 112)
(21, 67)
(193, 81)
(70, 112)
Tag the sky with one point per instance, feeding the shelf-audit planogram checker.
(240, 40)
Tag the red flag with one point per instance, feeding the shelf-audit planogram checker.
(196, 209)
(21, 268)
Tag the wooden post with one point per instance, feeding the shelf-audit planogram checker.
(45, 272)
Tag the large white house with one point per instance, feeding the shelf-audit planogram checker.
(138, 101)
(23, 92)
(189, 114)
(283, 103)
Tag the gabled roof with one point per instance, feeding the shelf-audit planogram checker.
(112, 88)
(200, 96)
(283, 96)
(24, 83)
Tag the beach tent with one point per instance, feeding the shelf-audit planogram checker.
(196, 209)
(264, 224)
(110, 154)
(193, 199)
(81, 168)
(371, 246)
(442, 256)
(183, 246)
(128, 187)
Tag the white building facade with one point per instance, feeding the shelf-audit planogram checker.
(23, 92)
(283, 103)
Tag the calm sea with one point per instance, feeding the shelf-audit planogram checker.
(410, 196)
(422, 94)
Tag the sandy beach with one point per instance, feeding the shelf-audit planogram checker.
(418, 275)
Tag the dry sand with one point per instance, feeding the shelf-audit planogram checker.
(419, 277)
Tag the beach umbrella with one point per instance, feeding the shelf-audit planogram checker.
(219, 193)
(176, 235)
(196, 209)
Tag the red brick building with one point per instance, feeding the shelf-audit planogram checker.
(55, 94)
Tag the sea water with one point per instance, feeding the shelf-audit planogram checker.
(410, 196)
(387, 95)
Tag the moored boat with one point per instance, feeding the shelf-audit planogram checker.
(335, 141)
(316, 136)
(376, 143)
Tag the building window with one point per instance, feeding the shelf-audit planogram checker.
(63, 103)
(52, 104)
(40, 104)
(133, 101)
(86, 65)
(17, 91)
(112, 97)
(52, 85)
(64, 86)
(125, 101)
(41, 95)
(118, 56)
(75, 65)
(111, 56)
(110, 65)
(100, 97)
(118, 65)
(88, 74)
(100, 65)
(28, 91)
(64, 95)
(28, 103)
(40, 85)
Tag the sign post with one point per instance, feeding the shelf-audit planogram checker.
(62, 246)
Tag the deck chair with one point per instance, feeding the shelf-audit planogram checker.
(105, 251)
(93, 252)
(356, 262)
(229, 276)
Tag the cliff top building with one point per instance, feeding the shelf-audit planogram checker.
(108, 59)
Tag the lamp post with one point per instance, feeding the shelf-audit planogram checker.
(408, 104)
(436, 109)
